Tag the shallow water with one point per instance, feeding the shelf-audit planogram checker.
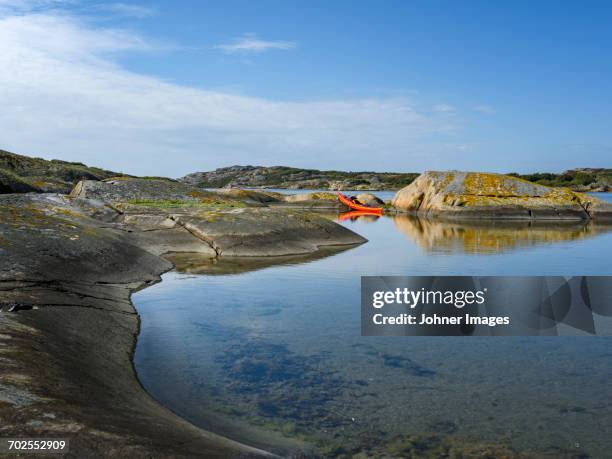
(272, 355)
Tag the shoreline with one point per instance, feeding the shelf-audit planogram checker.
(70, 328)
(70, 266)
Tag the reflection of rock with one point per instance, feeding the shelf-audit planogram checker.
(490, 237)
(197, 263)
(484, 195)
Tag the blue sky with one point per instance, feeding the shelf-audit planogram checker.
(169, 87)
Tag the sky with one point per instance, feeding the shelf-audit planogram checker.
(172, 87)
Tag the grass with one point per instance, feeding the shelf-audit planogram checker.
(192, 204)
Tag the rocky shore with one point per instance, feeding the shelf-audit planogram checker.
(477, 195)
(68, 266)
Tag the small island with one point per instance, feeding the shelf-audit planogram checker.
(76, 242)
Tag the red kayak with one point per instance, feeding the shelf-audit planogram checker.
(347, 202)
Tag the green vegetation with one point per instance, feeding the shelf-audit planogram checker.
(21, 174)
(579, 179)
(190, 204)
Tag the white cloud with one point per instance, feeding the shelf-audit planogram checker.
(129, 10)
(62, 95)
(443, 108)
(23, 6)
(485, 109)
(250, 43)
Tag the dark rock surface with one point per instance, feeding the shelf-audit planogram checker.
(68, 266)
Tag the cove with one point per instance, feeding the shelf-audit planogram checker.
(269, 352)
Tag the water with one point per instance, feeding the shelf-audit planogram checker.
(272, 355)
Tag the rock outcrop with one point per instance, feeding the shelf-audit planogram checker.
(22, 174)
(68, 333)
(68, 267)
(486, 195)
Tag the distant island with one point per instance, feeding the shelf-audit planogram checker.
(294, 178)
(23, 174)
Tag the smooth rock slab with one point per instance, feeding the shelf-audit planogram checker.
(266, 231)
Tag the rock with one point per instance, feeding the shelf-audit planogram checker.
(294, 178)
(370, 200)
(67, 278)
(317, 196)
(253, 196)
(313, 201)
(486, 195)
(250, 232)
(135, 189)
(22, 174)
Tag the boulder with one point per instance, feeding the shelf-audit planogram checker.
(134, 189)
(369, 200)
(320, 200)
(486, 195)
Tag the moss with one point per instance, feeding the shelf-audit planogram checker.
(172, 204)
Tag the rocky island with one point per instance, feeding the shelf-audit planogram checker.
(295, 178)
(583, 179)
(477, 195)
(70, 262)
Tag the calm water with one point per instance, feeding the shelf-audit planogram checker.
(272, 355)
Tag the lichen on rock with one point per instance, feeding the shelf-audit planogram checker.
(487, 195)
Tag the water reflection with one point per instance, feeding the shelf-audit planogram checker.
(491, 236)
(274, 357)
(196, 263)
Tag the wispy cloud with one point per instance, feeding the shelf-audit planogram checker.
(24, 6)
(485, 109)
(65, 96)
(128, 10)
(251, 43)
(444, 108)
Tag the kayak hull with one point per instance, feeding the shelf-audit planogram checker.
(347, 202)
